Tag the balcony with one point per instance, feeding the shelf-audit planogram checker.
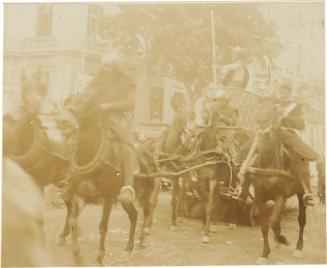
(50, 44)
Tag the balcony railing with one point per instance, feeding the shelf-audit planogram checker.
(37, 44)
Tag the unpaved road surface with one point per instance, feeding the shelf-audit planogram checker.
(183, 247)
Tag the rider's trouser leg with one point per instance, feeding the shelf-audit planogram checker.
(302, 171)
(321, 177)
(293, 142)
(128, 160)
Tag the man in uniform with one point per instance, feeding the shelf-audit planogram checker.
(113, 91)
(236, 73)
(287, 132)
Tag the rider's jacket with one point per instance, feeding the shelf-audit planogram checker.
(294, 120)
(114, 88)
(238, 77)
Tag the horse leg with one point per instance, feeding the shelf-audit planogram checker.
(275, 220)
(103, 228)
(174, 195)
(264, 224)
(145, 211)
(180, 199)
(205, 236)
(302, 221)
(232, 214)
(65, 232)
(132, 215)
(204, 198)
(77, 206)
(153, 200)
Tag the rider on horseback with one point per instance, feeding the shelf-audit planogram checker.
(236, 73)
(113, 91)
(287, 132)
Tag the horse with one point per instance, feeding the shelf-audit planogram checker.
(146, 188)
(274, 174)
(168, 147)
(213, 177)
(96, 176)
(29, 141)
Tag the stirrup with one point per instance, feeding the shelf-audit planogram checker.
(308, 199)
(132, 196)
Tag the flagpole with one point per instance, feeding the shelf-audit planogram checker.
(213, 48)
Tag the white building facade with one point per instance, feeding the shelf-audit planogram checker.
(65, 41)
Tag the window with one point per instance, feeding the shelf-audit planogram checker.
(95, 21)
(44, 21)
(180, 99)
(156, 104)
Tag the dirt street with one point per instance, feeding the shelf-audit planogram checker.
(183, 247)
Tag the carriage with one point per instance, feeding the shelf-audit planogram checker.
(228, 191)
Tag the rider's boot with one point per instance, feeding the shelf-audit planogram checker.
(307, 197)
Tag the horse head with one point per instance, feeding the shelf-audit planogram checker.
(269, 147)
(33, 91)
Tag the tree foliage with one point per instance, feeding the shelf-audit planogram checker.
(177, 37)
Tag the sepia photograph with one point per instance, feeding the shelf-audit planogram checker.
(163, 133)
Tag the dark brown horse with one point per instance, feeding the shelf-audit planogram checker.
(210, 177)
(274, 174)
(96, 176)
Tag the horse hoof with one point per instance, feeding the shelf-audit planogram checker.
(282, 240)
(205, 239)
(232, 226)
(173, 228)
(128, 250)
(297, 253)
(262, 261)
(60, 242)
(146, 230)
(99, 263)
